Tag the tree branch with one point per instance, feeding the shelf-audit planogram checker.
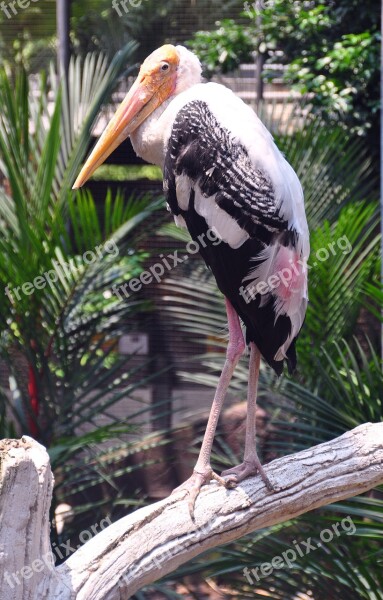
(155, 540)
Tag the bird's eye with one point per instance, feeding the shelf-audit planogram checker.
(164, 66)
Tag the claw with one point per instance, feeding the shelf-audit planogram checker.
(246, 469)
(227, 483)
(193, 485)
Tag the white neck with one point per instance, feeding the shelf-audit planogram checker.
(150, 139)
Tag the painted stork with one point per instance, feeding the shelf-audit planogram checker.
(223, 172)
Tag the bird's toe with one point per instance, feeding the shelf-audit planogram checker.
(192, 486)
(231, 480)
(244, 470)
(235, 472)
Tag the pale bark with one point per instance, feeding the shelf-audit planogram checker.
(153, 541)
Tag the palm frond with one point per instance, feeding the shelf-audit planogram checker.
(60, 258)
(332, 166)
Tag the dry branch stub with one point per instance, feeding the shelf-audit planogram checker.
(26, 485)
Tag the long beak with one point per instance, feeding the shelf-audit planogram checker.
(140, 101)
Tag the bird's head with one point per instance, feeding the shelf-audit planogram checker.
(168, 71)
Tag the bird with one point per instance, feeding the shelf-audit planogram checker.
(222, 172)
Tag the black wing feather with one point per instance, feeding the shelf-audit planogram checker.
(220, 166)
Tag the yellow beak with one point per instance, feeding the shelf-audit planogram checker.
(136, 106)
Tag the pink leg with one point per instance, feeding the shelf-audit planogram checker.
(202, 471)
(251, 463)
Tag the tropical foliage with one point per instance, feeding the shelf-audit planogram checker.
(27, 34)
(223, 49)
(330, 49)
(59, 260)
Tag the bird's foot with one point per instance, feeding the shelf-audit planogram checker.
(248, 467)
(192, 486)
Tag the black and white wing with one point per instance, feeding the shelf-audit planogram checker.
(223, 173)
